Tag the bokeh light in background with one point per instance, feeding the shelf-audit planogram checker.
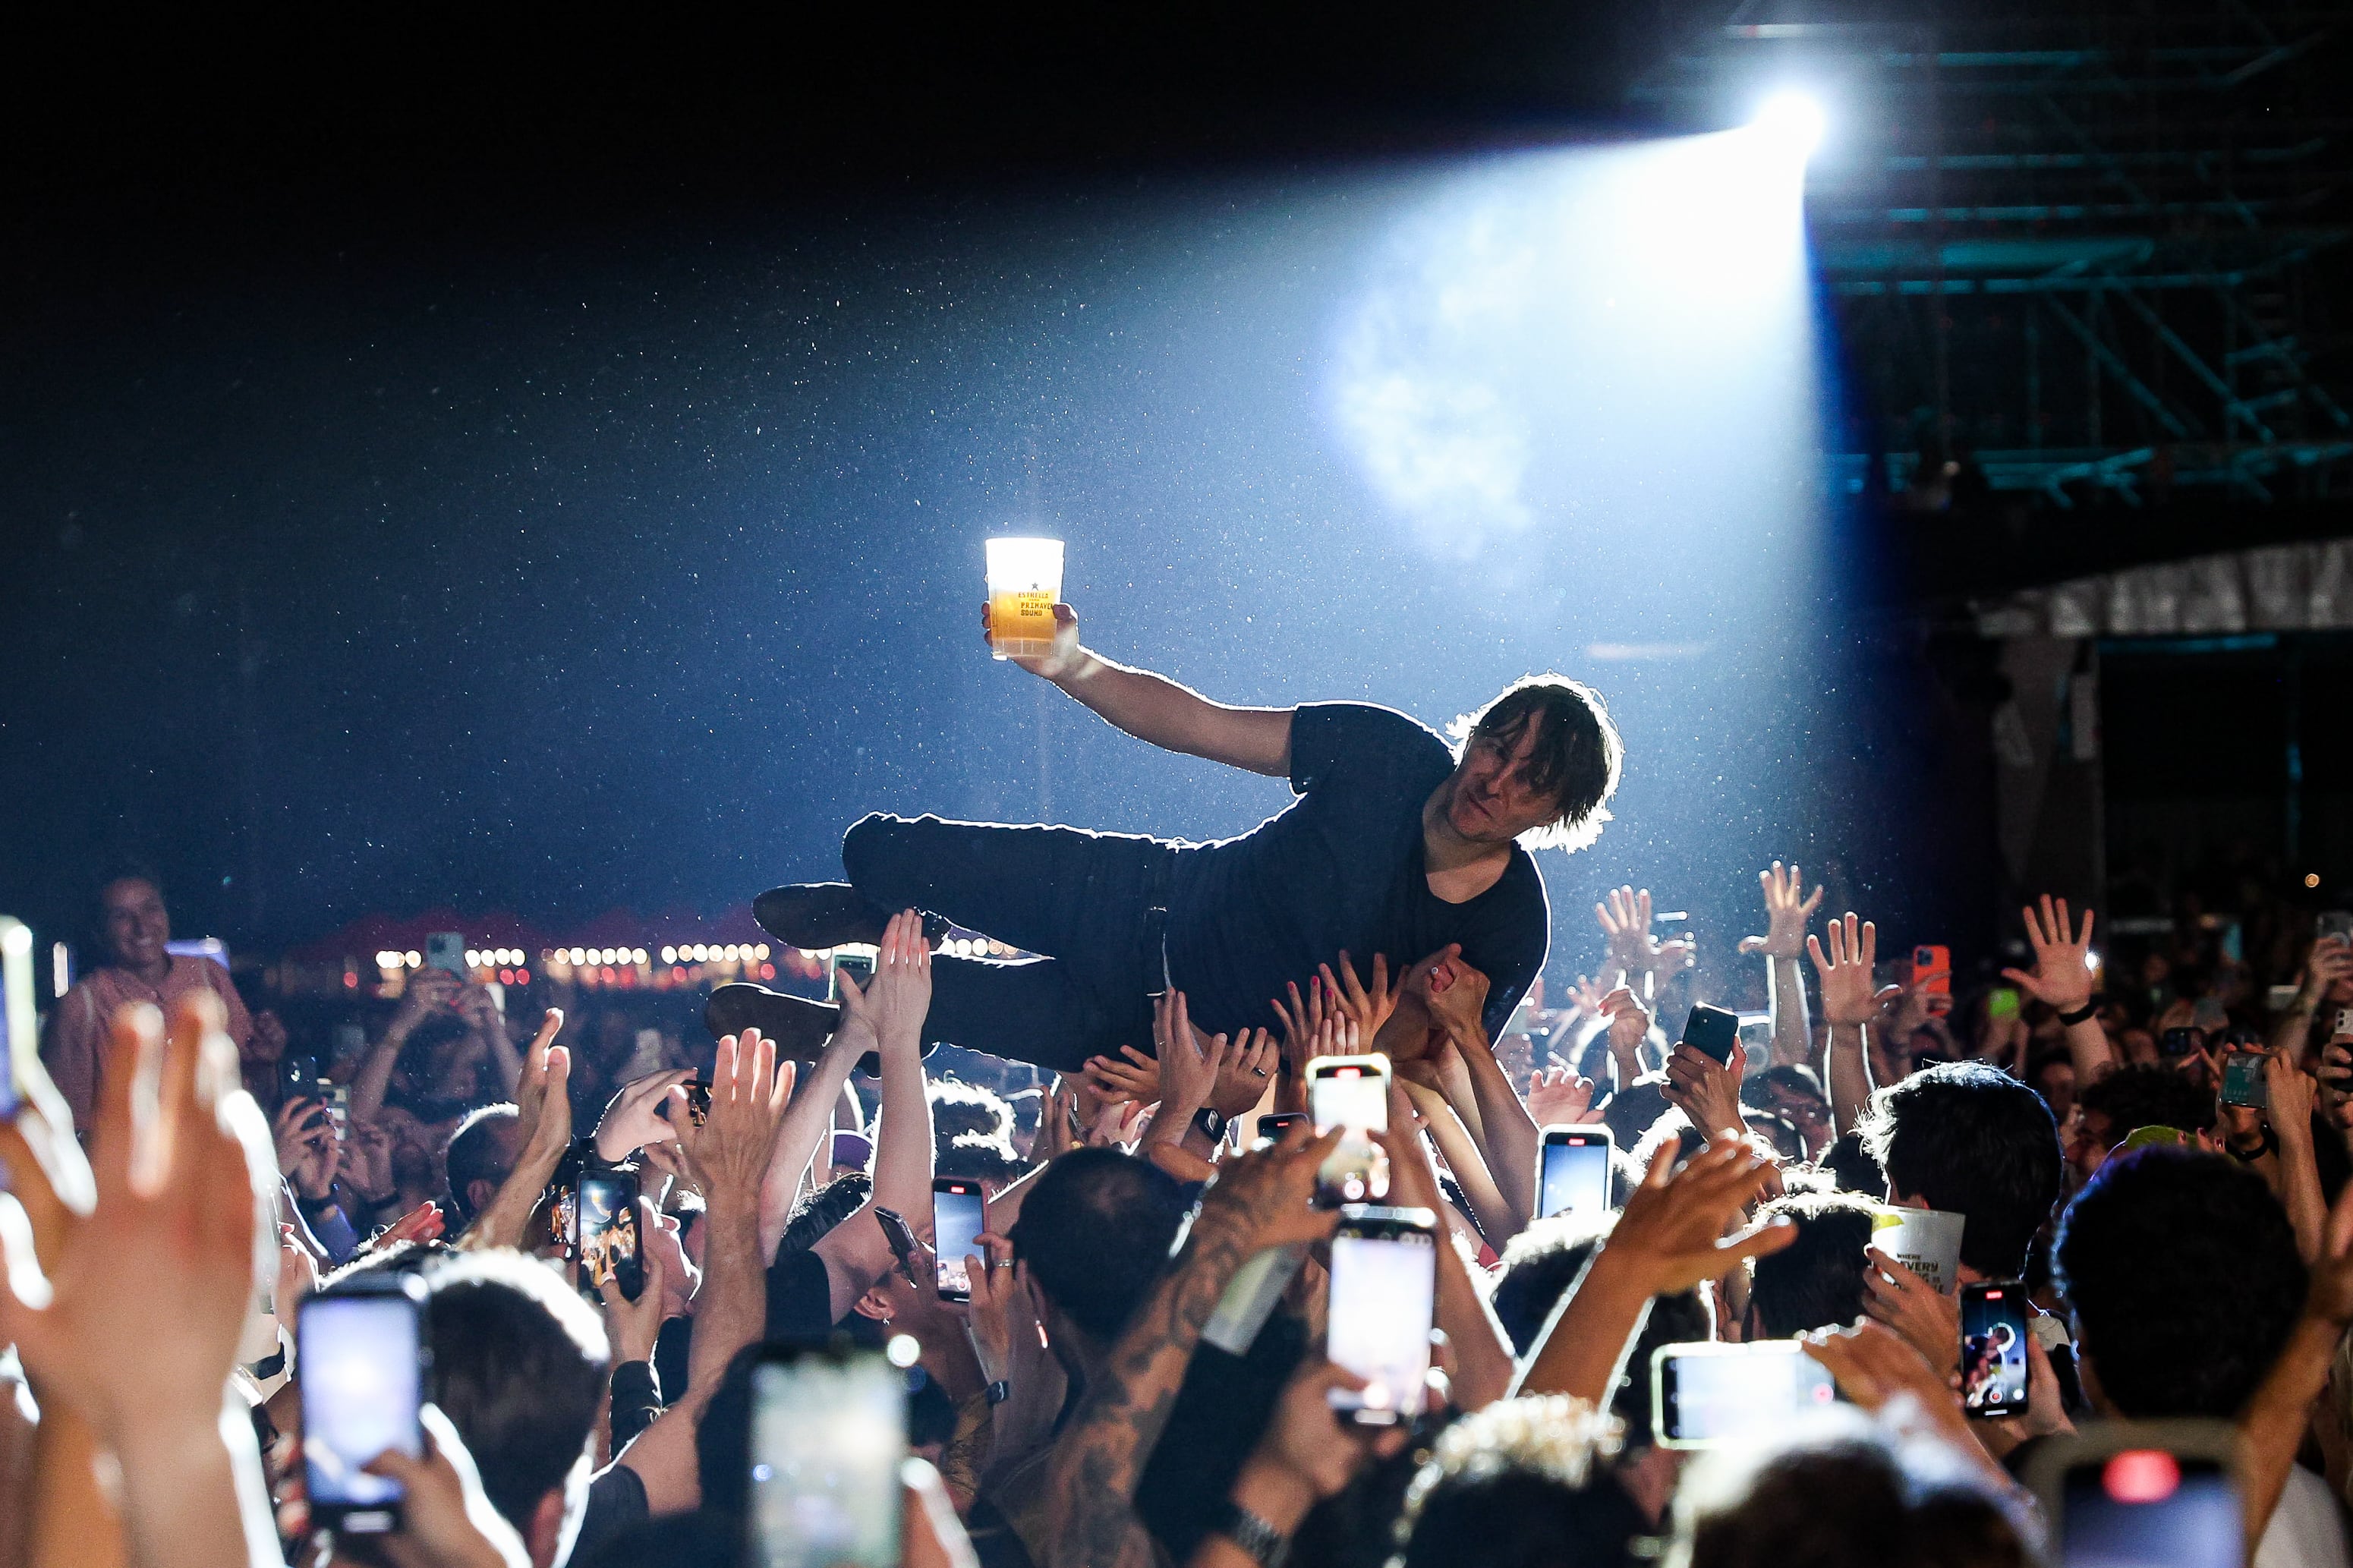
(630, 573)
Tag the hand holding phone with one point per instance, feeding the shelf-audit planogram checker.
(959, 1214)
(1383, 1298)
(1351, 1093)
(1994, 1327)
(1573, 1171)
(610, 1249)
(1713, 1031)
(363, 1353)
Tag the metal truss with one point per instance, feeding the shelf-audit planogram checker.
(2087, 251)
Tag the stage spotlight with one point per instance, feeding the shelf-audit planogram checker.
(1792, 119)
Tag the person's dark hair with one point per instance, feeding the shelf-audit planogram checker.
(825, 1208)
(1973, 1141)
(519, 1367)
(1853, 1166)
(474, 1155)
(1816, 1281)
(2147, 1094)
(1636, 1109)
(1095, 1232)
(1520, 1484)
(961, 1109)
(1841, 1496)
(120, 869)
(1578, 756)
(2184, 1276)
(980, 1159)
(1778, 1130)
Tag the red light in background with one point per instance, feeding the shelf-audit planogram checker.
(350, 981)
(523, 976)
(767, 972)
(2141, 1475)
(678, 972)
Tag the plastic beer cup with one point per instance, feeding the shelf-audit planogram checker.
(1025, 580)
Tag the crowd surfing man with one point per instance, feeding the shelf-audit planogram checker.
(1396, 847)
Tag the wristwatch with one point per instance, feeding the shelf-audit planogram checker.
(1266, 1545)
(2069, 1020)
(1212, 1126)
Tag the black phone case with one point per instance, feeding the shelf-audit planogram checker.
(1713, 1031)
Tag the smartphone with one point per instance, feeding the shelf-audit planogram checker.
(2345, 1022)
(2002, 1004)
(337, 1098)
(1993, 1349)
(959, 1213)
(1275, 1123)
(902, 1240)
(609, 1246)
(446, 950)
(1707, 1393)
(2336, 923)
(1350, 1093)
(860, 964)
(1713, 1030)
(1931, 975)
(828, 1434)
(1384, 1291)
(2178, 1042)
(17, 1010)
(362, 1350)
(2142, 1491)
(1573, 1171)
(2242, 1079)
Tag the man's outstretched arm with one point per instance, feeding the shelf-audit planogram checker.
(1155, 708)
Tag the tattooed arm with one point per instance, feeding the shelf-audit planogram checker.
(1260, 1200)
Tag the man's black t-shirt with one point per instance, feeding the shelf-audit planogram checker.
(1342, 867)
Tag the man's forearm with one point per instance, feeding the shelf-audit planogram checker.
(502, 1219)
(1483, 1364)
(807, 1120)
(2273, 1429)
(1092, 1475)
(1512, 1136)
(2088, 1048)
(903, 1144)
(1176, 718)
(1583, 1345)
(1793, 1031)
(200, 1501)
(1849, 1075)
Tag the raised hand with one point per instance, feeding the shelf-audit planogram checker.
(1248, 1068)
(2331, 960)
(1130, 1075)
(1927, 1318)
(1670, 1234)
(1189, 1063)
(1629, 1022)
(137, 1321)
(302, 1133)
(543, 1097)
(1269, 1192)
(2061, 976)
(642, 1112)
(1454, 993)
(1848, 999)
(729, 1152)
(1558, 1097)
(446, 1520)
(634, 1326)
(1625, 918)
(1707, 1090)
(898, 995)
(1785, 914)
(1302, 1017)
(1063, 658)
(1370, 1009)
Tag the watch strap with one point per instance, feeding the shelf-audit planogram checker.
(2081, 1015)
(1212, 1125)
(998, 1392)
(1266, 1545)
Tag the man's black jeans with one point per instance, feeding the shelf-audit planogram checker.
(1082, 899)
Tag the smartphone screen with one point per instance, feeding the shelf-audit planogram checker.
(609, 1233)
(1353, 1093)
(2242, 1079)
(1574, 1177)
(1993, 1349)
(17, 1010)
(2146, 1505)
(361, 1375)
(829, 1435)
(859, 966)
(1384, 1289)
(958, 1214)
(1703, 1395)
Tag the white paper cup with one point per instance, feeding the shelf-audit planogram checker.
(1025, 581)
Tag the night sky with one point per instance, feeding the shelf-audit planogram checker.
(568, 493)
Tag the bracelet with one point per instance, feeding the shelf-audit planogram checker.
(1266, 1545)
(2269, 1145)
(2069, 1020)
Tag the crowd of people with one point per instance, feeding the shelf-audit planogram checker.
(1072, 1411)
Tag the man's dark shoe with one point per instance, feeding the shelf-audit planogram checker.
(800, 1026)
(828, 914)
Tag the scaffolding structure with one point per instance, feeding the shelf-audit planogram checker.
(2091, 253)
